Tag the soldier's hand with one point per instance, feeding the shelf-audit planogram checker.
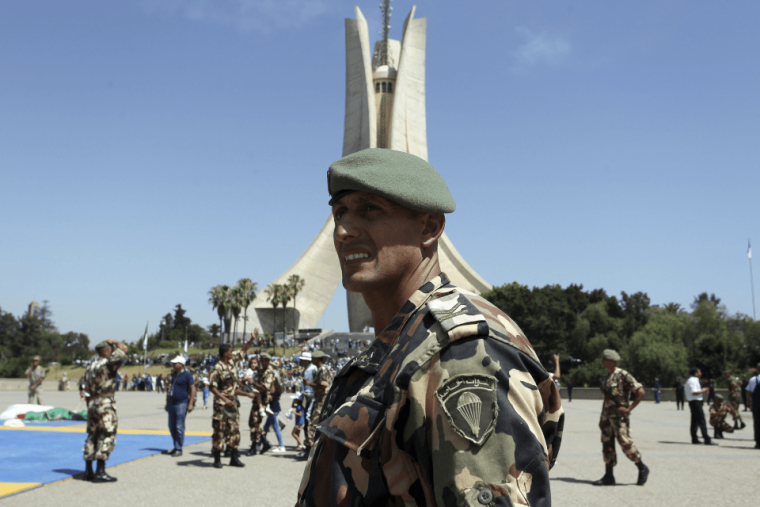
(229, 402)
(624, 410)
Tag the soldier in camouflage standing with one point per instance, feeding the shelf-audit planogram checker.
(615, 420)
(449, 404)
(36, 375)
(718, 413)
(257, 413)
(321, 385)
(735, 399)
(269, 388)
(102, 421)
(225, 385)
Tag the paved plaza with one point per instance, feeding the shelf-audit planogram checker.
(682, 474)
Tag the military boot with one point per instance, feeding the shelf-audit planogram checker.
(234, 460)
(643, 473)
(217, 458)
(718, 434)
(265, 446)
(607, 480)
(252, 450)
(304, 454)
(88, 473)
(100, 473)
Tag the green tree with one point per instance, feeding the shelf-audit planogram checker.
(274, 292)
(234, 304)
(214, 330)
(247, 289)
(657, 350)
(180, 321)
(296, 285)
(218, 299)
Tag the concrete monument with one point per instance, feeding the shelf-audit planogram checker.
(385, 108)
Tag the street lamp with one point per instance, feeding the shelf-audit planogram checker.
(163, 325)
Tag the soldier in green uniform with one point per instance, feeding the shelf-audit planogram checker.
(102, 421)
(449, 404)
(36, 375)
(225, 385)
(617, 387)
(267, 388)
(256, 416)
(718, 413)
(735, 399)
(321, 385)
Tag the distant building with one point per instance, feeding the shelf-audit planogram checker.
(34, 308)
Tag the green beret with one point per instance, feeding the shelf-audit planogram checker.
(719, 397)
(317, 355)
(611, 355)
(265, 355)
(401, 177)
(102, 345)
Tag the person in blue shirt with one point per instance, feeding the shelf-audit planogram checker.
(180, 397)
(656, 390)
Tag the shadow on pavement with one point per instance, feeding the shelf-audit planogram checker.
(678, 443)
(195, 463)
(583, 481)
(68, 471)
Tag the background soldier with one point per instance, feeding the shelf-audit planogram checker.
(718, 413)
(36, 375)
(321, 385)
(615, 423)
(257, 409)
(102, 421)
(270, 389)
(225, 385)
(735, 399)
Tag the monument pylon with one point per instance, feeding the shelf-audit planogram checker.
(385, 108)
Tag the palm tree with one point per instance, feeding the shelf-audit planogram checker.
(295, 284)
(248, 290)
(236, 306)
(219, 296)
(274, 292)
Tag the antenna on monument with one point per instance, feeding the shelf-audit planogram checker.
(381, 57)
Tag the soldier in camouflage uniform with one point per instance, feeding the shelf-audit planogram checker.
(36, 375)
(321, 385)
(718, 413)
(267, 386)
(449, 404)
(102, 421)
(617, 387)
(257, 414)
(735, 399)
(225, 385)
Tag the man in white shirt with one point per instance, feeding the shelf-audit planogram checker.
(308, 394)
(694, 391)
(753, 401)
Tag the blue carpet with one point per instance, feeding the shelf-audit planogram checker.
(49, 456)
(52, 424)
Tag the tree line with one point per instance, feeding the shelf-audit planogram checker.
(654, 341)
(231, 302)
(21, 338)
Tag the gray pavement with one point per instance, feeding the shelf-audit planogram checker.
(682, 474)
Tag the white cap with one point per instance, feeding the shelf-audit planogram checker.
(178, 359)
(305, 356)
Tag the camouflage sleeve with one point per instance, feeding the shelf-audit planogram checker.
(631, 384)
(481, 420)
(116, 358)
(213, 379)
(238, 356)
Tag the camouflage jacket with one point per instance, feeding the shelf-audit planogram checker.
(449, 405)
(225, 379)
(718, 414)
(35, 375)
(322, 378)
(617, 387)
(100, 376)
(269, 380)
(735, 391)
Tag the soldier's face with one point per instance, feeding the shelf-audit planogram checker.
(35, 362)
(106, 352)
(378, 242)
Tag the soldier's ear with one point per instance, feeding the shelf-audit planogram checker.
(433, 229)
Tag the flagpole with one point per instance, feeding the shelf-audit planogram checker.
(751, 278)
(145, 345)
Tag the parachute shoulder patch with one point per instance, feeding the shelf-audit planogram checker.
(469, 402)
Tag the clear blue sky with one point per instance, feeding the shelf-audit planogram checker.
(151, 149)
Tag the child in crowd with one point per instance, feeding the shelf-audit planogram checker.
(299, 413)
